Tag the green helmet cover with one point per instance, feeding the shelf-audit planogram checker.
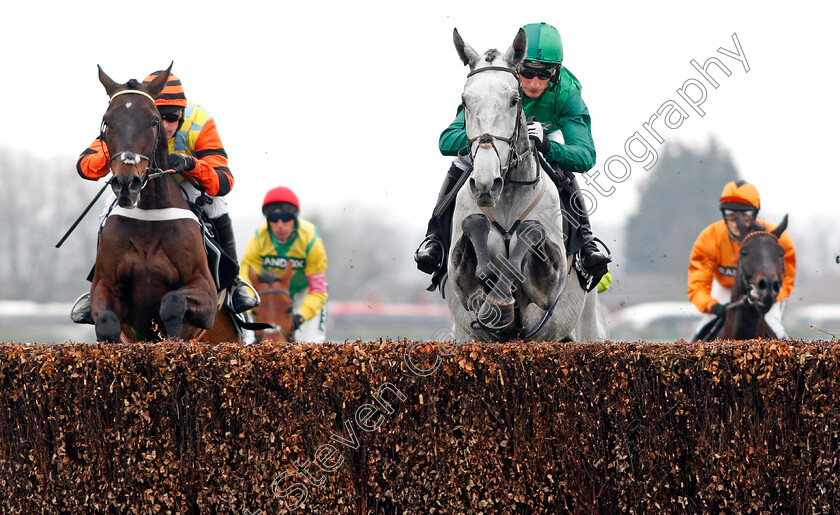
(544, 44)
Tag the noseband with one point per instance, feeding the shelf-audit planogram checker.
(133, 158)
(488, 140)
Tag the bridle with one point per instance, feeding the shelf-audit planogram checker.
(133, 158)
(745, 284)
(488, 140)
(275, 328)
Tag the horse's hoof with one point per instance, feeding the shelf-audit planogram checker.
(496, 313)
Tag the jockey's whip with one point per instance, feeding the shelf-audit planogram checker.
(85, 212)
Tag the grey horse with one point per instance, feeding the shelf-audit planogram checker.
(509, 276)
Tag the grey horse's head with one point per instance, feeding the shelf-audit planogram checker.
(492, 108)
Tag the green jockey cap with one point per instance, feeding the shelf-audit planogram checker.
(544, 44)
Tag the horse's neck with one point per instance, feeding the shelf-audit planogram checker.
(162, 192)
(747, 322)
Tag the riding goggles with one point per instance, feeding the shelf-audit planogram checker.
(285, 217)
(542, 73)
(729, 214)
(171, 117)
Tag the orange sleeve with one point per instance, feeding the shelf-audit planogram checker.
(93, 162)
(790, 266)
(701, 268)
(211, 165)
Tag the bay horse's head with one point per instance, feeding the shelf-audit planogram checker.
(131, 130)
(761, 265)
(275, 306)
(493, 116)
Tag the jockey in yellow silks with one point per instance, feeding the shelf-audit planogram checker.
(284, 237)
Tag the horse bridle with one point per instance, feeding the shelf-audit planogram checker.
(127, 156)
(748, 288)
(487, 140)
(276, 329)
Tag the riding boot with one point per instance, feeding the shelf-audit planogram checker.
(429, 254)
(593, 261)
(238, 290)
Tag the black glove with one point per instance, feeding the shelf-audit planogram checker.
(537, 133)
(718, 309)
(297, 321)
(181, 162)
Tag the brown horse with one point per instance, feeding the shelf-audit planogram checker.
(151, 278)
(275, 304)
(758, 279)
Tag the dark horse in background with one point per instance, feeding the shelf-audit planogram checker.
(152, 278)
(758, 279)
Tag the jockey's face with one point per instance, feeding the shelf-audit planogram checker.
(533, 87)
(747, 215)
(282, 230)
(170, 128)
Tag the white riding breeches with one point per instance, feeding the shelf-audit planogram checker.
(773, 317)
(313, 330)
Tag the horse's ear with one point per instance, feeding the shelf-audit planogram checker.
(777, 232)
(465, 52)
(516, 52)
(743, 227)
(288, 271)
(156, 86)
(110, 86)
(252, 276)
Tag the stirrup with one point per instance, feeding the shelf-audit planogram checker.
(587, 280)
(77, 315)
(425, 266)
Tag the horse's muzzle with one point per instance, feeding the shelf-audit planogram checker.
(487, 197)
(127, 189)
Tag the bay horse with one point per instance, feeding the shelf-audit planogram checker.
(758, 279)
(151, 279)
(509, 275)
(275, 308)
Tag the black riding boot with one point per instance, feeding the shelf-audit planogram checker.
(238, 290)
(593, 261)
(429, 254)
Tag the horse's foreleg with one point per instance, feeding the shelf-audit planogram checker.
(199, 307)
(105, 310)
(540, 262)
(496, 307)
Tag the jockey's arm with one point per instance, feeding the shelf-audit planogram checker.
(211, 163)
(93, 162)
(701, 268)
(790, 266)
(454, 137)
(577, 151)
(316, 275)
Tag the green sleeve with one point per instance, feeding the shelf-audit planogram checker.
(454, 137)
(577, 154)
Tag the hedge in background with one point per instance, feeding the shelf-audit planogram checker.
(357, 428)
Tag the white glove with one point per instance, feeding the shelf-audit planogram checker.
(537, 133)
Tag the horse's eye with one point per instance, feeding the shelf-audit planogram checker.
(514, 101)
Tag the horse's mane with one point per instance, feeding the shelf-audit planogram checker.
(267, 276)
(133, 84)
(491, 55)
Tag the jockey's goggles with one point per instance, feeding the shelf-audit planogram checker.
(542, 73)
(729, 214)
(285, 217)
(170, 116)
